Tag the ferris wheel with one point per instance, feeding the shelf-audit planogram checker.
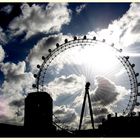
(66, 69)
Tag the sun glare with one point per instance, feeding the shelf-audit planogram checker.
(100, 58)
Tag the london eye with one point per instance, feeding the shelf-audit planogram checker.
(66, 70)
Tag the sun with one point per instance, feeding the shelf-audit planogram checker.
(100, 58)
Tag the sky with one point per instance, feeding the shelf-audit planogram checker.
(28, 30)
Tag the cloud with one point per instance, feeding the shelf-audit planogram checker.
(108, 98)
(17, 103)
(106, 91)
(65, 85)
(67, 117)
(16, 79)
(11, 69)
(17, 84)
(3, 38)
(125, 30)
(99, 111)
(2, 54)
(41, 49)
(63, 80)
(80, 8)
(99, 119)
(35, 19)
(7, 9)
(4, 110)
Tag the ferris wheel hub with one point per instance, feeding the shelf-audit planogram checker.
(87, 85)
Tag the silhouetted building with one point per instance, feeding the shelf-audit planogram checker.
(38, 122)
(38, 111)
(121, 126)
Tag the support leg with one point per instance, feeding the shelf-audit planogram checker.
(82, 112)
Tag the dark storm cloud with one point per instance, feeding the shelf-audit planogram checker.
(100, 114)
(105, 93)
(99, 118)
(59, 111)
(17, 103)
(99, 111)
(69, 117)
(65, 114)
(41, 48)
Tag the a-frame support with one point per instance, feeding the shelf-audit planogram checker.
(83, 106)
